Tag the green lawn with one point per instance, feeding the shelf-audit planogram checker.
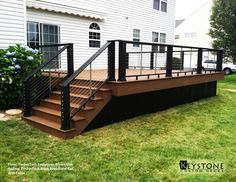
(146, 148)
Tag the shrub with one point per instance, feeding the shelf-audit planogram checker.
(15, 63)
(177, 63)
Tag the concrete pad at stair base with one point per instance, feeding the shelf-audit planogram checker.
(13, 112)
(3, 117)
(232, 90)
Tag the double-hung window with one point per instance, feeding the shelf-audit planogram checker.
(159, 38)
(163, 41)
(160, 5)
(136, 37)
(162, 38)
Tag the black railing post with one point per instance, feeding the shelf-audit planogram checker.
(65, 108)
(111, 61)
(169, 61)
(219, 60)
(182, 60)
(122, 61)
(152, 60)
(70, 60)
(27, 99)
(199, 61)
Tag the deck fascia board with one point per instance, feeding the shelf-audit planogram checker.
(142, 86)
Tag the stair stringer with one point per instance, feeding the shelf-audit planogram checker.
(80, 126)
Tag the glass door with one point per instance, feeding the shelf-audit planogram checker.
(49, 36)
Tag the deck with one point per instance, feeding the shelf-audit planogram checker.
(66, 103)
(146, 80)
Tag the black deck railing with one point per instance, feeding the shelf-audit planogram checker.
(80, 86)
(41, 81)
(91, 84)
(126, 49)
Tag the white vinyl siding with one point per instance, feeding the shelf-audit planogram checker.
(12, 22)
(118, 24)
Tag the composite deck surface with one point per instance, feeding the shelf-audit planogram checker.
(101, 74)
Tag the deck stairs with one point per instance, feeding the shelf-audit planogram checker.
(47, 114)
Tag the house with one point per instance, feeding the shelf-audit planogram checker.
(120, 46)
(87, 24)
(193, 31)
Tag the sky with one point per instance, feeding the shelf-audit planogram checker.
(184, 8)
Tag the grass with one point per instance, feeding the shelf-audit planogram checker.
(146, 148)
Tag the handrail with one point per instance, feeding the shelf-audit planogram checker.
(35, 92)
(89, 61)
(51, 45)
(158, 44)
(45, 63)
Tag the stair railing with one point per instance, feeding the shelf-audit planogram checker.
(80, 88)
(41, 81)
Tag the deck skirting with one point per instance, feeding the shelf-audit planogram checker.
(124, 107)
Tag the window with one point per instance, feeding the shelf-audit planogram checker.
(32, 34)
(190, 34)
(193, 34)
(43, 34)
(187, 35)
(160, 5)
(164, 6)
(156, 4)
(163, 41)
(177, 36)
(155, 36)
(162, 38)
(94, 35)
(49, 36)
(136, 37)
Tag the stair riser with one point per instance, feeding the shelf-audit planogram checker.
(52, 131)
(47, 116)
(84, 91)
(86, 83)
(72, 98)
(75, 100)
(51, 105)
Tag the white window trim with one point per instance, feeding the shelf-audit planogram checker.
(95, 31)
(159, 10)
(140, 31)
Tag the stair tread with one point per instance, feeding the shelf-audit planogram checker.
(47, 123)
(93, 88)
(77, 95)
(72, 105)
(55, 112)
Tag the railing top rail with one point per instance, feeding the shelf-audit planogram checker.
(89, 61)
(45, 63)
(52, 45)
(159, 44)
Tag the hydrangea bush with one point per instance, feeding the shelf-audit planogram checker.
(16, 62)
